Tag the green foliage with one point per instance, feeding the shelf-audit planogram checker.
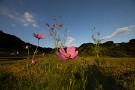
(97, 41)
(57, 33)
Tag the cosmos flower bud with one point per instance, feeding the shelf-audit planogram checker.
(27, 47)
(47, 25)
(33, 61)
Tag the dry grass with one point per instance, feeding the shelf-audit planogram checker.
(81, 73)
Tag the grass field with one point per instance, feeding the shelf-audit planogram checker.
(82, 73)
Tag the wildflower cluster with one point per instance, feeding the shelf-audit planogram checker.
(97, 41)
(38, 36)
(59, 41)
(55, 30)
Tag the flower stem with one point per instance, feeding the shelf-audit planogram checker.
(28, 54)
(35, 50)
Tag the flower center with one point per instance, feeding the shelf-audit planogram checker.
(67, 55)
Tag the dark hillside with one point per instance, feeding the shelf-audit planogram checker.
(11, 43)
(111, 49)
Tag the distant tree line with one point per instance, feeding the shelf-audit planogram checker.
(110, 49)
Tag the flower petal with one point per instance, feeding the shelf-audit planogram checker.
(38, 36)
(41, 36)
(61, 57)
(70, 50)
(62, 51)
(73, 55)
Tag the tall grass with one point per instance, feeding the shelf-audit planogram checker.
(49, 73)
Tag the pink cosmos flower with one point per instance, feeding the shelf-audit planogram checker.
(52, 28)
(27, 47)
(70, 53)
(60, 25)
(38, 36)
(33, 61)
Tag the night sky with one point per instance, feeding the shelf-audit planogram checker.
(114, 19)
